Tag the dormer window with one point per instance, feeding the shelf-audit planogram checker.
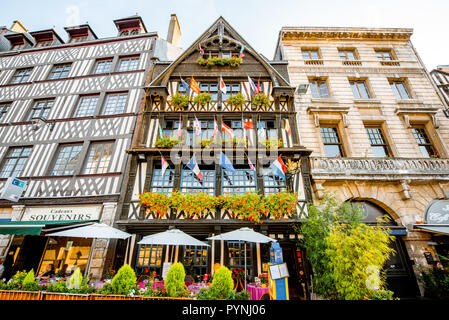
(79, 38)
(44, 43)
(18, 46)
(80, 33)
(46, 38)
(130, 26)
(129, 32)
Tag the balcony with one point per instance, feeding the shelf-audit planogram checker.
(381, 169)
(215, 106)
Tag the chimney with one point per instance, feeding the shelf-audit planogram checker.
(174, 31)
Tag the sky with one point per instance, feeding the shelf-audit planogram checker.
(257, 21)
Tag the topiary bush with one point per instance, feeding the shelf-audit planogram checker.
(242, 295)
(124, 281)
(29, 283)
(222, 283)
(174, 282)
(75, 280)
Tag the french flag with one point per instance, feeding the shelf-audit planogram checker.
(252, 85)
(227, 130)
(279, 168)
(193, 165)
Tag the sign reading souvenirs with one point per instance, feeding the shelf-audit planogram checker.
(62, 213)
(13, 189)
(437, 212)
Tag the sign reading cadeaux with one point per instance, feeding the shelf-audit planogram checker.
(58, 213)
(437, 212)
(13, 189)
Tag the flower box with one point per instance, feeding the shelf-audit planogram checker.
(113, 297)
(64, 296)
(20, 295)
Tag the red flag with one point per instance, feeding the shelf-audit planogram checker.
(258, 86)
(194, 86)
(227, 130)
(248, 125)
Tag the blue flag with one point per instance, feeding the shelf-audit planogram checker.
(226, 163)
(186, 86)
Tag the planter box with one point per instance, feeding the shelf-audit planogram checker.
(64, 296)
(19, 295)
(165, 298)
(113, 297)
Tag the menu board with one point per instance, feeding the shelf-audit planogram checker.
(278, 271)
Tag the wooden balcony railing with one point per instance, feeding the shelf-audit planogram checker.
(215, 106)
(379, 168)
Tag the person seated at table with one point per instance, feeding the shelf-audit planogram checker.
(48, 273)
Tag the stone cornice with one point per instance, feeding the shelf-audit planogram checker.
(312, 33)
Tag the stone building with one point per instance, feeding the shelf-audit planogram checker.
(67, 115)
(377, 131)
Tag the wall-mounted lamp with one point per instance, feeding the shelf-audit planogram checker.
(39, 122)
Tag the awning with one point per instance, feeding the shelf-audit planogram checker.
(33, 227)
(435, 229)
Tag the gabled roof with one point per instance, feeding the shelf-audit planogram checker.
(74, 29)
(210, 33)
(52, 31)
(130, 18)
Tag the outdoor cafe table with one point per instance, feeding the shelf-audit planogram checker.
(255, 291)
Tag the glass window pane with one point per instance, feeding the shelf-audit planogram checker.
(332, 150)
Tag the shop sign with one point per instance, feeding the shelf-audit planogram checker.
(59, 213)
(437, 212)
(13, 189)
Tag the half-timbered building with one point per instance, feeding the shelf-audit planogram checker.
(67, 114)
(253, 127)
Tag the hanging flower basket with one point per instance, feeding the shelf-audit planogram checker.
(203, 98)
(261, 100)
(179, 101)
(236, 101)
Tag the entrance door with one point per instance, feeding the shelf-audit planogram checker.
(30, 254)
(295, 288)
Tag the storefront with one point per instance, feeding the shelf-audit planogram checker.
(30, 248)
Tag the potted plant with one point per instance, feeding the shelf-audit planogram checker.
(261, 100)
(156, 203)
(167, 142)
(236, 100)
(263, 280)
(202, 99)
(238, 274)
(179, 101)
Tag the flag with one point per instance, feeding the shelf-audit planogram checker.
(248, 125)
(227, 130)
(215, 128)
(193, 165)
(179, 133)
(186, 85)
(279, 168)
(194, 86)
(287, 127)
(197, 126)
(251, 165)
(241, 51)
(252, 85)
(226, 163)
(258, 86)
(201, 50)
(164, 165)
(222, 85)
(161, 134)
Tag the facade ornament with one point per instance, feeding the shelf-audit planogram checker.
(405, 189)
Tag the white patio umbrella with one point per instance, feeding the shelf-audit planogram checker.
(243, 234)
(173, 237)
(95, 230)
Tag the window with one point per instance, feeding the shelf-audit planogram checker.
(102, 66)
(267, 130)
(400, 90)
(128, 64)
(40, 109)
(191, 184)
(115, 103)
(14, 161)
(59, 71)
(319, 88)
(86, 106)
(162, 184)
(272, 183)
(21, 76)
(310, 54)
(242, 181)
(237, 128)
(384, 55)
(207, 130)
(149, 257)
(231, 89)
(236, 256)
(4, 107)
(170, 128)
(44, 43)
(17, 46)
(212, 88)
(195, 260)
(377, 141)
(98, 157)
(79, 38)
(359, 89)
(347, 54)
(424, 143)
(67, 158)
(331, 141)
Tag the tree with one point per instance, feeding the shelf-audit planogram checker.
(174, 282)
(356, 256)
(124, 281)
(222, 283)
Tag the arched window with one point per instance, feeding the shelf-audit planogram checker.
(372, 212)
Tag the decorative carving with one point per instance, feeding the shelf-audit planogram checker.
(405, 189)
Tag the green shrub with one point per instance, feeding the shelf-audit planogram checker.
(124, 281)
(106, 289)
(17, 280)
(174, 282)
(242, 295)
(59, 287)
(75, 280)
(436, 283)
(383, 295)
(29, 283)
(222, 283)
